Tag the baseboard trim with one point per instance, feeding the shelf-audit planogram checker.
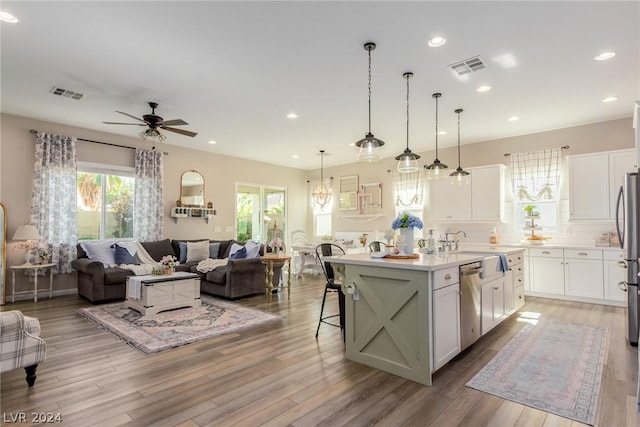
(42, 294)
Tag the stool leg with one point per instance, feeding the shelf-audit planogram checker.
(324, 298)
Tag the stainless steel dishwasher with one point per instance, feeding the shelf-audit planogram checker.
(470, 309)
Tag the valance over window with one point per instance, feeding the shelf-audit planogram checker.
(536, 175)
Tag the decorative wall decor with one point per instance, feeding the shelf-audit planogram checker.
(348, 193)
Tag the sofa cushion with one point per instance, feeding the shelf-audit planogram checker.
(100, 251)
(214, 250)
(158, 249)
(235, 247)
(197, 251)
(182, 255)
(239, 254)
(219, 275)
(123, 256)
(253, 249)
(116, 276)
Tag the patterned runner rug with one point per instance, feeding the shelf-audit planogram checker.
(173, 328)
(555, 367)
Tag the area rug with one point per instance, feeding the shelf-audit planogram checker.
(173, 328)
(554, 367)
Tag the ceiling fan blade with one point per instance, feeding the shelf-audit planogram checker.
(118, 123)
(180, 131)
(174, 122)
(133, 117)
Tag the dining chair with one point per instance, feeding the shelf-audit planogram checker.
(331, 285)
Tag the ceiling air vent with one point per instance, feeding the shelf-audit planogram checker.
(467, 66)
(67, 93)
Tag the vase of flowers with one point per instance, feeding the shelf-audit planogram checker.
(167, 265)
(405, 223)
(275, 244)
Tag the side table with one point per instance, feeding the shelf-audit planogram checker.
(269, 261)
(35, 268)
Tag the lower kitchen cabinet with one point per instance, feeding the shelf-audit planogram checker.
(509, 291)
(446, 324)
(547, 270)
(614, 277)
(518, 297)
(492, 304)
(583, 273)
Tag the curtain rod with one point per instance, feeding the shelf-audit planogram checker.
(564, 147)
(33, 131)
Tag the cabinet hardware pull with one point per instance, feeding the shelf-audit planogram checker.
(622, 264)
(447, 276)
(622, 286)
(546, 252)
(496, 288)
(582, 253)
(520, 296)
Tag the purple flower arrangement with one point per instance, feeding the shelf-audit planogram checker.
(407, 220)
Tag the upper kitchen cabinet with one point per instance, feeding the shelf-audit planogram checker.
(487, 193)
(482, 200)
(593, 183)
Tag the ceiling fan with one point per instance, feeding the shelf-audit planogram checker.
(155, 122)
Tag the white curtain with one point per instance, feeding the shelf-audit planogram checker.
(53, 197)
(536, 175)
(148, 202)
(408, 188)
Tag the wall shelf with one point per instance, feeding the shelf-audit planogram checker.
(361, 217)
(183, 212)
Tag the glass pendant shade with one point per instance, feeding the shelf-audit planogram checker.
(460, 176)
(370, 145)
(436, 170)
(321, 192)
(153, 134)
(407, 161)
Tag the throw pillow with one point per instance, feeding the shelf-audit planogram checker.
(158, 249)
(214, 250)
(100, 251)
(253, 249)
(123, 256)
(239, 254)
(235, 247)
(182, 257)
(197, 251)
(130, 245)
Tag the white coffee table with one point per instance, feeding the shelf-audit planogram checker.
(159, 293)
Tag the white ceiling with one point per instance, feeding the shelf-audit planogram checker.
(233, 70)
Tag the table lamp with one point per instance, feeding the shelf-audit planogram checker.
(28, 235)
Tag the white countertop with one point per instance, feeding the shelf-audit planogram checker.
(505, 247)
(425, 262)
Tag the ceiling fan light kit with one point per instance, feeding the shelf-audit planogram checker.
(370, 145)
(437, 168)
(407, 160)
(154, 123)
(460, 176)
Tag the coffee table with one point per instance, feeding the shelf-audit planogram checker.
(152, 294)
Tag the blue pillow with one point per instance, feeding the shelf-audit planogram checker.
(123, 256)
(214, 250)
(182, 258)
(239, 254)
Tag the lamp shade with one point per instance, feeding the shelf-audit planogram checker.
(26, 232)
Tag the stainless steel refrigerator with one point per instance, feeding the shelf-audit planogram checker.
(628, 228)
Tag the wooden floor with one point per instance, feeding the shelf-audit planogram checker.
(280, 375)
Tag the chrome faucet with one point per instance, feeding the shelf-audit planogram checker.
(449, 243)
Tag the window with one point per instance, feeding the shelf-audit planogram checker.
(321, 224)
(258, 210)
(105, 202)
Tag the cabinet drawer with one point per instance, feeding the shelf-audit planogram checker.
(518, 280)
(546, 252)
(583, 253)
(613, 255)
(515, 258)
(445, 277)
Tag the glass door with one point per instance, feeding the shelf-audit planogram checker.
(259, 211)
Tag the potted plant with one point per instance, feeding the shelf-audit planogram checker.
(530, 210)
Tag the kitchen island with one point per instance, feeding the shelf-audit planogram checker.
(392, 322)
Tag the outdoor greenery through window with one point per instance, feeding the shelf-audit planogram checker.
(259, 210)
(105, 202)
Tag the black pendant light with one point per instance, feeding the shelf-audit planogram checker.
(370, 145)
(436, 169)
(407, 161)
(460, 176)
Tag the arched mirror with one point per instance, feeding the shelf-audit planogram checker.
(192, 189)
(3, 254)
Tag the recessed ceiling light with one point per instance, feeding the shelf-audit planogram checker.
(484, 88)
(7, 17)
(295, 156)
(442, 132)
(212, 142)
(292, 116)
(352, 144)
(513, 118)
(437, 41)
(610, 99)
(604, 56)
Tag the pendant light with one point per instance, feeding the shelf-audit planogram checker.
(460, 176)
(436, 169)
(321, 193)
(370, 145)
(407, 161)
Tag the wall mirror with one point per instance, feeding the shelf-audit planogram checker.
(192, 189)
(3, 254)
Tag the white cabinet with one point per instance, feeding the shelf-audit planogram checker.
(593, 183)
(514, 294)
(547, 270)
(449, 202)
(446, 315)
(487, 193)
(482, 200)
(614, 277)
(492, 305)
(583, 273)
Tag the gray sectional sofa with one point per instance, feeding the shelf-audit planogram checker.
(239, 278)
